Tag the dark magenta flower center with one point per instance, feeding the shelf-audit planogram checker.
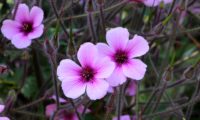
(27, 27)
(120, 57)
(87, 73)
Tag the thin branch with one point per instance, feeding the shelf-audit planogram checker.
(52, 2)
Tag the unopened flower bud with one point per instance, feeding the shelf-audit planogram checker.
(56, 41)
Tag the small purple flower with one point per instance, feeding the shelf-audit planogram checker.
(1, 110)
(26, 26)
(89, 77)
(121, 51)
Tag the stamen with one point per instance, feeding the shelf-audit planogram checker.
(120, 57)
(87, 73)
(26, 27)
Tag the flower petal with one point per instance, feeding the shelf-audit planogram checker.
(37, 15)
(123, 117)
(104, 50)
(61, 100)
(117, 38)
(97, 89)
(117, 77)
(10, 28)
(4, 118)
(73, 88)
(134, 69)
(138, 46)
(68, 69)
(37, 32)
(104, 68)
(22, 13)
(21, 41)
(110, 89)
(2, 108)
(87, 54)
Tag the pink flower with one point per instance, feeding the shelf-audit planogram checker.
(26, 26)
(125, 117)
(122, 52)
(1, 110)
(130, 90)
(89, 77)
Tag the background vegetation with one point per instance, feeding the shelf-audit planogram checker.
(170, 89)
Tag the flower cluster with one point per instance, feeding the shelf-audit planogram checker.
(103, 65)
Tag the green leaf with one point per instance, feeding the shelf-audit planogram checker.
(30, 88)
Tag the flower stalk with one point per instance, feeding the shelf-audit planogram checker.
(51, 53)
(89, 10)
(120, 102)
(100, 4)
